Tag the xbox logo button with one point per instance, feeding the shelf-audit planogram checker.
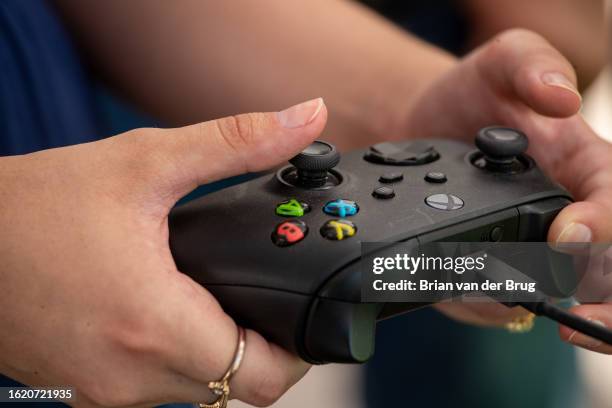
(445, 202)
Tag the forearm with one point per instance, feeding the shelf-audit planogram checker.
(190, 60)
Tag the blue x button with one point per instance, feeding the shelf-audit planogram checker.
(341, 208)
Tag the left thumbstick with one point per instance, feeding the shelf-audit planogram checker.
(314, 162)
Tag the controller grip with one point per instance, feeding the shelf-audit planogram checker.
(319, 330)
(277, 315)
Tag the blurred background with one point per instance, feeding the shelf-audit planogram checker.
(424, 359)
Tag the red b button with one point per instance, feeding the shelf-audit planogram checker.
(289, 232)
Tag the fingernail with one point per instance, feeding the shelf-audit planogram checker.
(301, 114)
(582, 340)
(560, 81)
(575, 232)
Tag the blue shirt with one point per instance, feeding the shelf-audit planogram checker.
(46, 99)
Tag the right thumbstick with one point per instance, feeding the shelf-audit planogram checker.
(501, 147)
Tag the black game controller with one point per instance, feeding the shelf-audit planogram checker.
(281, 252)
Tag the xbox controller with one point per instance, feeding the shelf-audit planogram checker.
(281, 252)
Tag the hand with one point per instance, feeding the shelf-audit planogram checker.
(91, 297)
(519, 80)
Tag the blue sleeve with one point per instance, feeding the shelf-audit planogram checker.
(46, 99)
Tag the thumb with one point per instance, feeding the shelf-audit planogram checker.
(523, 63)
(515, 78)
(180, 159)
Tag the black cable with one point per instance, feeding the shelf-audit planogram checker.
(499, 271)
(569, 319)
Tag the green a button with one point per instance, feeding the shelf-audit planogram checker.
(292, 208)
